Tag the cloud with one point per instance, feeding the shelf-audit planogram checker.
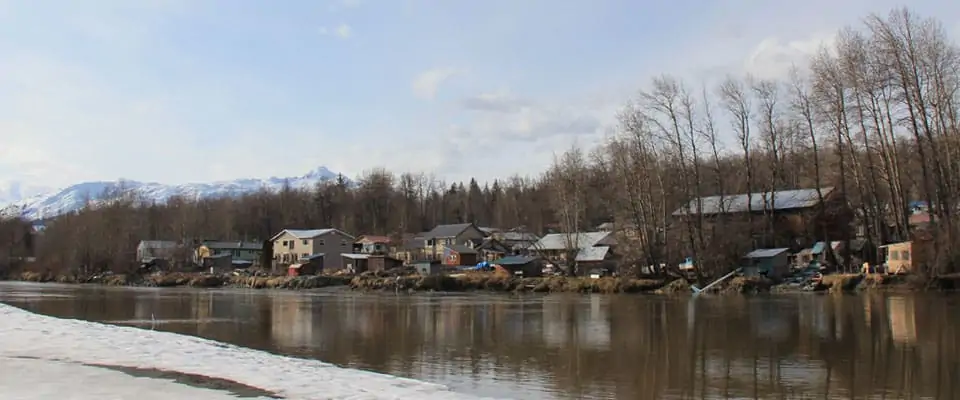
(342, 31)
(426, 85)
(493, 102)
(773, 57)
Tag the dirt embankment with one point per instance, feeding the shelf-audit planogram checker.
(200, 280)
(503, 283)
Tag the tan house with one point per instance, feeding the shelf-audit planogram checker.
(906, 257)
(291, 245)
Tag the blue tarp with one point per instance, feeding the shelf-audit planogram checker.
(818, 248)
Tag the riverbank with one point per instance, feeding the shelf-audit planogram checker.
(489, 282)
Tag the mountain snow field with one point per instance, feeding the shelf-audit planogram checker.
(43, 204)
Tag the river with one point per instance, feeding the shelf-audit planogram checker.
(568, 346)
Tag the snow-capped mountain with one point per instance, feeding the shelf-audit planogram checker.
(75, 197)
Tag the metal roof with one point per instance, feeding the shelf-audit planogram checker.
(158, 244)
(353, 256)
(308, 233)
(520, 237)
(516, 260)
(580, 240)
(737, 203)
(598, 253)
(766, 253)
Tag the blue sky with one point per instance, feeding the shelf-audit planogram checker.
(182, 91)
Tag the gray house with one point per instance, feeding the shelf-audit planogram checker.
(238, 250)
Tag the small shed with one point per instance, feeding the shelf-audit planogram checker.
(905, 257)
(218, 263)
(428, 267)
(458, 254)
(525, 266)
(594, 258)
(355, 263)
(379, 262)
(774, 263)
(309, 265)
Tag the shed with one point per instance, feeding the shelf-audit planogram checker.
(906, 257)
(774, 263)
(218, 263)
(309, 265)
(379, 262)
(355, 263)
(525, 266)
(428, 267)
(458, 254)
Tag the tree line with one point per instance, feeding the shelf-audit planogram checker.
(874, 115)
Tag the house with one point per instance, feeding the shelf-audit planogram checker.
(595, 258)
(239, 250)
(458, 254)
(292, 244)
(151, 252)
(491, 249)
(526, 266)
(412, 248)
(359, 263)
(517, 241)
(309, 265)
(556, 246)
(464, 234)
(797, 214)
(773, 263)
(909, 256)
(428, 267)
(371, 244)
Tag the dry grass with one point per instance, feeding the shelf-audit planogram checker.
(477, 281)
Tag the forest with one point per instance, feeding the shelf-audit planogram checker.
(874, 115)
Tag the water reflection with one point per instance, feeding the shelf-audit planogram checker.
(570, 347)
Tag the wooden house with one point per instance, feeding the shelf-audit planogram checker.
(290, 245)
(360, 263)
(454, 234)
(909, 256)
(458, 254)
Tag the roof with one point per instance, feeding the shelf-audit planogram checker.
(766, 253)
(307, 233)
(354, 256)
(374, 239)
(520, 237)
(598, 253)
(559, 241)
(445, 231)
(818, 248)
(516, 260)
(158, 244)
(312, 256)
(488, 230)
(737, 203)
(233, 245)
(459, 248)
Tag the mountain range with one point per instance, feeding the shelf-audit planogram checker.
(37, 203)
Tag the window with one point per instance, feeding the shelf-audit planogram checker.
(905, 255)
(343, 243)
(895, 255)
(320, 242)
(306, 242)
(284, 243)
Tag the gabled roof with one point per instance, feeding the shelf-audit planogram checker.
(308, 233)
(232, 245)
(459, 248)
(598, 253)
(520, 237)
(446, 231)
(158, 244)
(579, 240)
(737, 203)
(374, 239)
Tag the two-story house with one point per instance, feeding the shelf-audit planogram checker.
(290, 245)
(454, 234)
(238, 250)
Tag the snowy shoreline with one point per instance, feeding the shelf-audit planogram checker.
(41, 343)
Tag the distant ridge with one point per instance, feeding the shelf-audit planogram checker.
(75, 197)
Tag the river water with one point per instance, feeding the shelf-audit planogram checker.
(568, 346)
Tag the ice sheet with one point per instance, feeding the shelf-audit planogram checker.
(64, 343)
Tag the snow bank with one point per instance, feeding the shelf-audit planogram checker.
(58, 342)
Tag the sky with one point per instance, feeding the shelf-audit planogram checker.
(178, 91)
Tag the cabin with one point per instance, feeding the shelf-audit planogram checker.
(556, 246)
(909, 256)
(309, 265)
(372, 244)
(798, 215)
(428, 267)
(772, 263)
(600, 258)
(453, 234)
(458, 254)
(150, 252)
(525, 266)
(238, 250)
